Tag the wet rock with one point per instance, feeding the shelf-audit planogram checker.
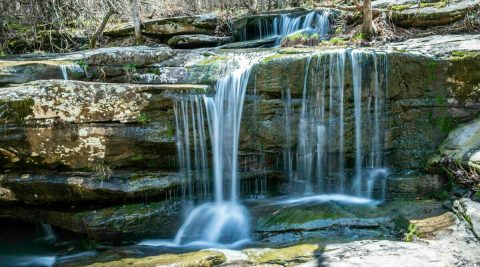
(267, 42)
(462, 145)
(197, 41)
(413, 185)
(282, 224)
(67, 189)
(161, 219)
(204, 258)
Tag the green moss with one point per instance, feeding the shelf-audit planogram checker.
(211, 60)
(440, 100)
(464, 72)
(285, 256)
(198, 258)
(358, 37)
(432, 67)
(468, 219)
(445, 123)
(401, 7)
(137, 158)
(460, 54)
(297, 36)
(273, 57)
(170, 133)
(335, 41)
(290, 51)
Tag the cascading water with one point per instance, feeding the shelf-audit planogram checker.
(286, 24)
(48, 234)
(225, 221)
(192, 146)
(63, 68)
(319, 165)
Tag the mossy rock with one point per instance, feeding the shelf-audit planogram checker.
(204, 258)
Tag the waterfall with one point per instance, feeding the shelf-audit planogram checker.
(191, 146)
(48, 234)
(356, 58)
(286, 24)
(319, 165)
(63, 68)
(224, 221)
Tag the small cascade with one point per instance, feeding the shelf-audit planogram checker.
(48, 234)
(63, 68)
(224, 221)
(318, 164)
(286, 24)
(191, 138)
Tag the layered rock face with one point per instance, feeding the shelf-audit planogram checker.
(108, 134)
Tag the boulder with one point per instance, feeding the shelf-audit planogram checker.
(432, 14)
(268, 42)
(189, 41)
(462, 145)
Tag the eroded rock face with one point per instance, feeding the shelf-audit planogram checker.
(86, 125)
(104, 187)
(168, 27)
(434, 14)
(197, 41)
(160, 219)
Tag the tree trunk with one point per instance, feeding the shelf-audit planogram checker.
(367, 27)
(93, 40)
(137, 24)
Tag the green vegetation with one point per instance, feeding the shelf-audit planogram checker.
(412, 233)
(210, 60)
(440, 100)
(170, 133)
(468, 219)
(401, 7)
(130, 68)
(335, 41)
(143, 119)
(460, 54)
(446, 124)
(83, 64)
(138, 158)
(358, 37)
